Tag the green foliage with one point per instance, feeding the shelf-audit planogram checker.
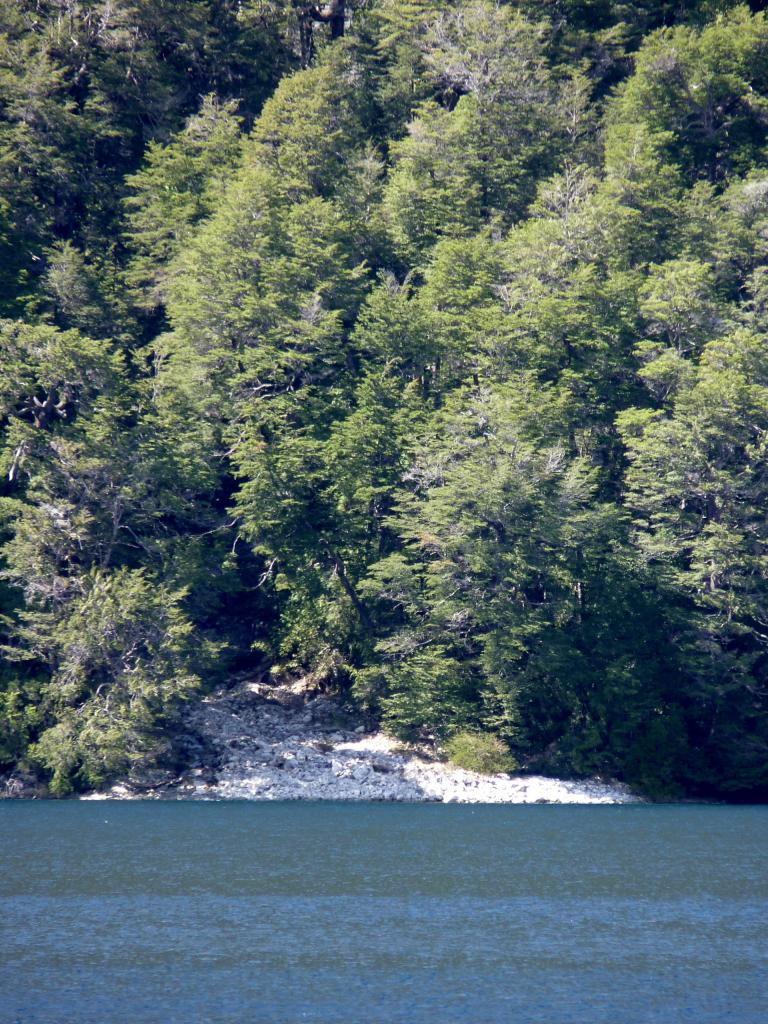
(432, 190)
(479, 752)
(176, 189)
(395, 31)
(707, 90)
(429, 360)
(120, 654)
(478, 160)
(20, 715)
(514, 589)
(695, 486)
(427, 696)
(312, 126)
(84, 87)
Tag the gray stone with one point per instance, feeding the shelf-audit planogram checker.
(238, 747)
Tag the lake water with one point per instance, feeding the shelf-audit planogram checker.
(142, 913)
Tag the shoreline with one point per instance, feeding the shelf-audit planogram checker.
(264, 743)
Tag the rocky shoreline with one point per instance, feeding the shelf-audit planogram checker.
(260, 742)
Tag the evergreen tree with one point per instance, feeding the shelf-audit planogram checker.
(416, 346)
(695, 485)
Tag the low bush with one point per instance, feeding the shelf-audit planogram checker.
(479, 752)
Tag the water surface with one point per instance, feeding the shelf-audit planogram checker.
(157, 913)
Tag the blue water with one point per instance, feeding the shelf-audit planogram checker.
(142, 913)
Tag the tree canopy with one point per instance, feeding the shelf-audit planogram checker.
(419, 347)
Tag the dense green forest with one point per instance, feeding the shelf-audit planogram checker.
(421, 347)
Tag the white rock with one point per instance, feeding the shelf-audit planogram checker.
(276, 756)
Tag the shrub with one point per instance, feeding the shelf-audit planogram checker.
(479, 752)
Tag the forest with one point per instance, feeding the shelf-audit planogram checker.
(419, 348)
